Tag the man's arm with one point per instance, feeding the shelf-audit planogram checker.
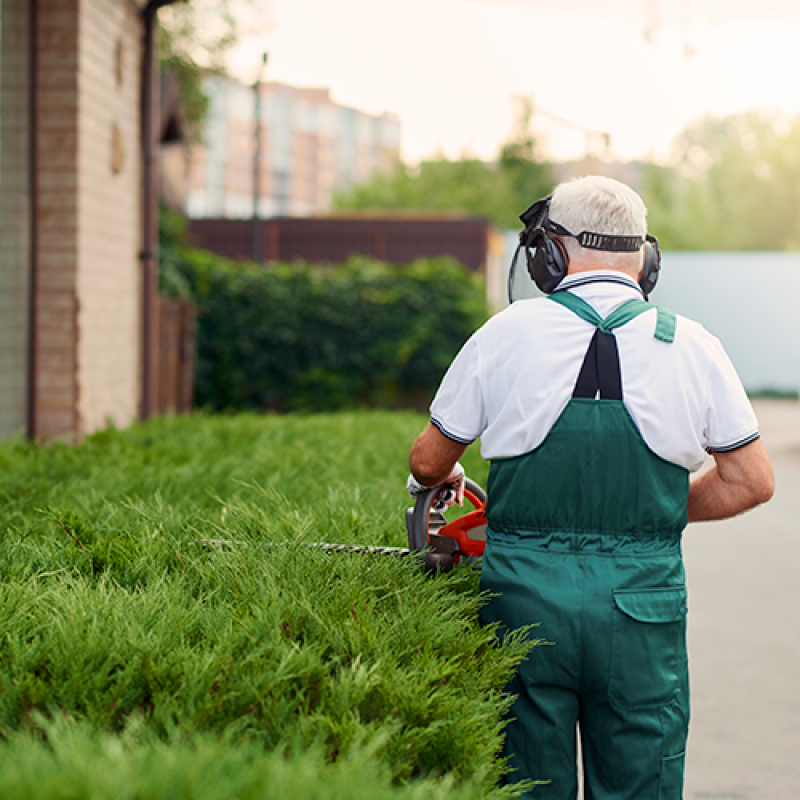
(433, 456)
(740, 480)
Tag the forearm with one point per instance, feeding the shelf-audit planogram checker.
(711, 498)
(738, 482)
(433, 456)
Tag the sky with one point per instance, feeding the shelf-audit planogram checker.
(638, 70)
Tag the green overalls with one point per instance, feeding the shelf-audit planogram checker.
(584, 541)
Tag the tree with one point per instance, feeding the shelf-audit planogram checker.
(735, 185)
(500, 191)
(195, 39)
(468, 186)
(530, 175)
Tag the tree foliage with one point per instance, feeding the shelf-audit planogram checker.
(522, 162)
(195, 39)
(468, 186)
(500, 191)
(735, 185)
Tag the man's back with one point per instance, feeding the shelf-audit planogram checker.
(514, 378)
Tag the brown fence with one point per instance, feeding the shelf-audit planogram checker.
(333, 239)
(177, 328)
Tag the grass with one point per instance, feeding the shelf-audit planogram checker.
(135, 662)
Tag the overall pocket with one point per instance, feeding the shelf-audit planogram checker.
(648, 648)
(670, 786)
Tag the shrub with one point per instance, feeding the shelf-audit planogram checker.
(317, 338)
(145, 660)
(82, 763)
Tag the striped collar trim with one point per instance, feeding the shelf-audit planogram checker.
(600, 276)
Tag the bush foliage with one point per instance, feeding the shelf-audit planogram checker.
(137, 662)
(297, 336)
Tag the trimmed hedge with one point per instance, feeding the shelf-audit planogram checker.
(78, 762)
(300, 337)
(136, 663)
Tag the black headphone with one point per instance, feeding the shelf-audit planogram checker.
(548, 264)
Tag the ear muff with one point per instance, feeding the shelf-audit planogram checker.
(548, 265)
(652, 266)
(549, 261)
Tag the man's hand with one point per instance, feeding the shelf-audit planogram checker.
(740, 480)
(433, 460)
(454, 483)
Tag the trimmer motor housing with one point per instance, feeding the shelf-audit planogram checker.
(444, 543)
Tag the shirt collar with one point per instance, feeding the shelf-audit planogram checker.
(600, 276)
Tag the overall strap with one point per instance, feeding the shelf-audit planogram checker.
(600, 372)
(665, 323)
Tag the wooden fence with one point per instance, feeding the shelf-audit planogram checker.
(177, 330)
(333, 239)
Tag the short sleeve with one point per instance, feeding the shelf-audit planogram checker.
(730, 420)
(458, 409)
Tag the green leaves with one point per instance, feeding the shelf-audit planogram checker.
(82, 763)
(735, 185)
(130, 648)
(500, 192)
(309, 338)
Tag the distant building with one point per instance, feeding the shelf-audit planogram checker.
(310, 146)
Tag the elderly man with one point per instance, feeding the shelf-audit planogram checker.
(594, 407)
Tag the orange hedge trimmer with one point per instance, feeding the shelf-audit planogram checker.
(444, 543)
(441, 544)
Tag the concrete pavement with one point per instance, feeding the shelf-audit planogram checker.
(744, 636)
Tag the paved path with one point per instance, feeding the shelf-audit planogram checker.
(744, 636)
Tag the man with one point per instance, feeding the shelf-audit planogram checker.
(593, 410)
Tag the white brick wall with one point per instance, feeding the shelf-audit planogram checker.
(109, 215)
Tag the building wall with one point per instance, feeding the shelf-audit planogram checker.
(56, 357)
(15, 228)
(398, 240)
(310, 147)
(748, 301)
(109, 216)
(88, 295)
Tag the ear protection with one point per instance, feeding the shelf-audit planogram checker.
(652, 266)
(549, 262)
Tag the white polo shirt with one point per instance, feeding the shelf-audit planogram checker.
(515, 375)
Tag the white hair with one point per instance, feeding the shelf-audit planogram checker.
(600, 205)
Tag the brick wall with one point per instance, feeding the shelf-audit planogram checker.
(88, 221)
(56, 400)
(109, 216)
(14, 215)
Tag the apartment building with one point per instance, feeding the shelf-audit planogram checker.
(309, 146)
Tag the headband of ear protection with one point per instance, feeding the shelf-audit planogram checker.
(549, 262)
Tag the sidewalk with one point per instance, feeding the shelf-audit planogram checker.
(744, 636)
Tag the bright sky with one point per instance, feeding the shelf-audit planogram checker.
(638, 69)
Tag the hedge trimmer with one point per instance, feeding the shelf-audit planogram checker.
(440, 543)
(445, 543)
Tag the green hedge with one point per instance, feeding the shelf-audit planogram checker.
(304, 337)
(80, 763)
(135, 663)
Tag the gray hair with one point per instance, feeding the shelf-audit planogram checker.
(600, 205)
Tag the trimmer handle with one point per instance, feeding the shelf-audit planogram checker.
(445, 542)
